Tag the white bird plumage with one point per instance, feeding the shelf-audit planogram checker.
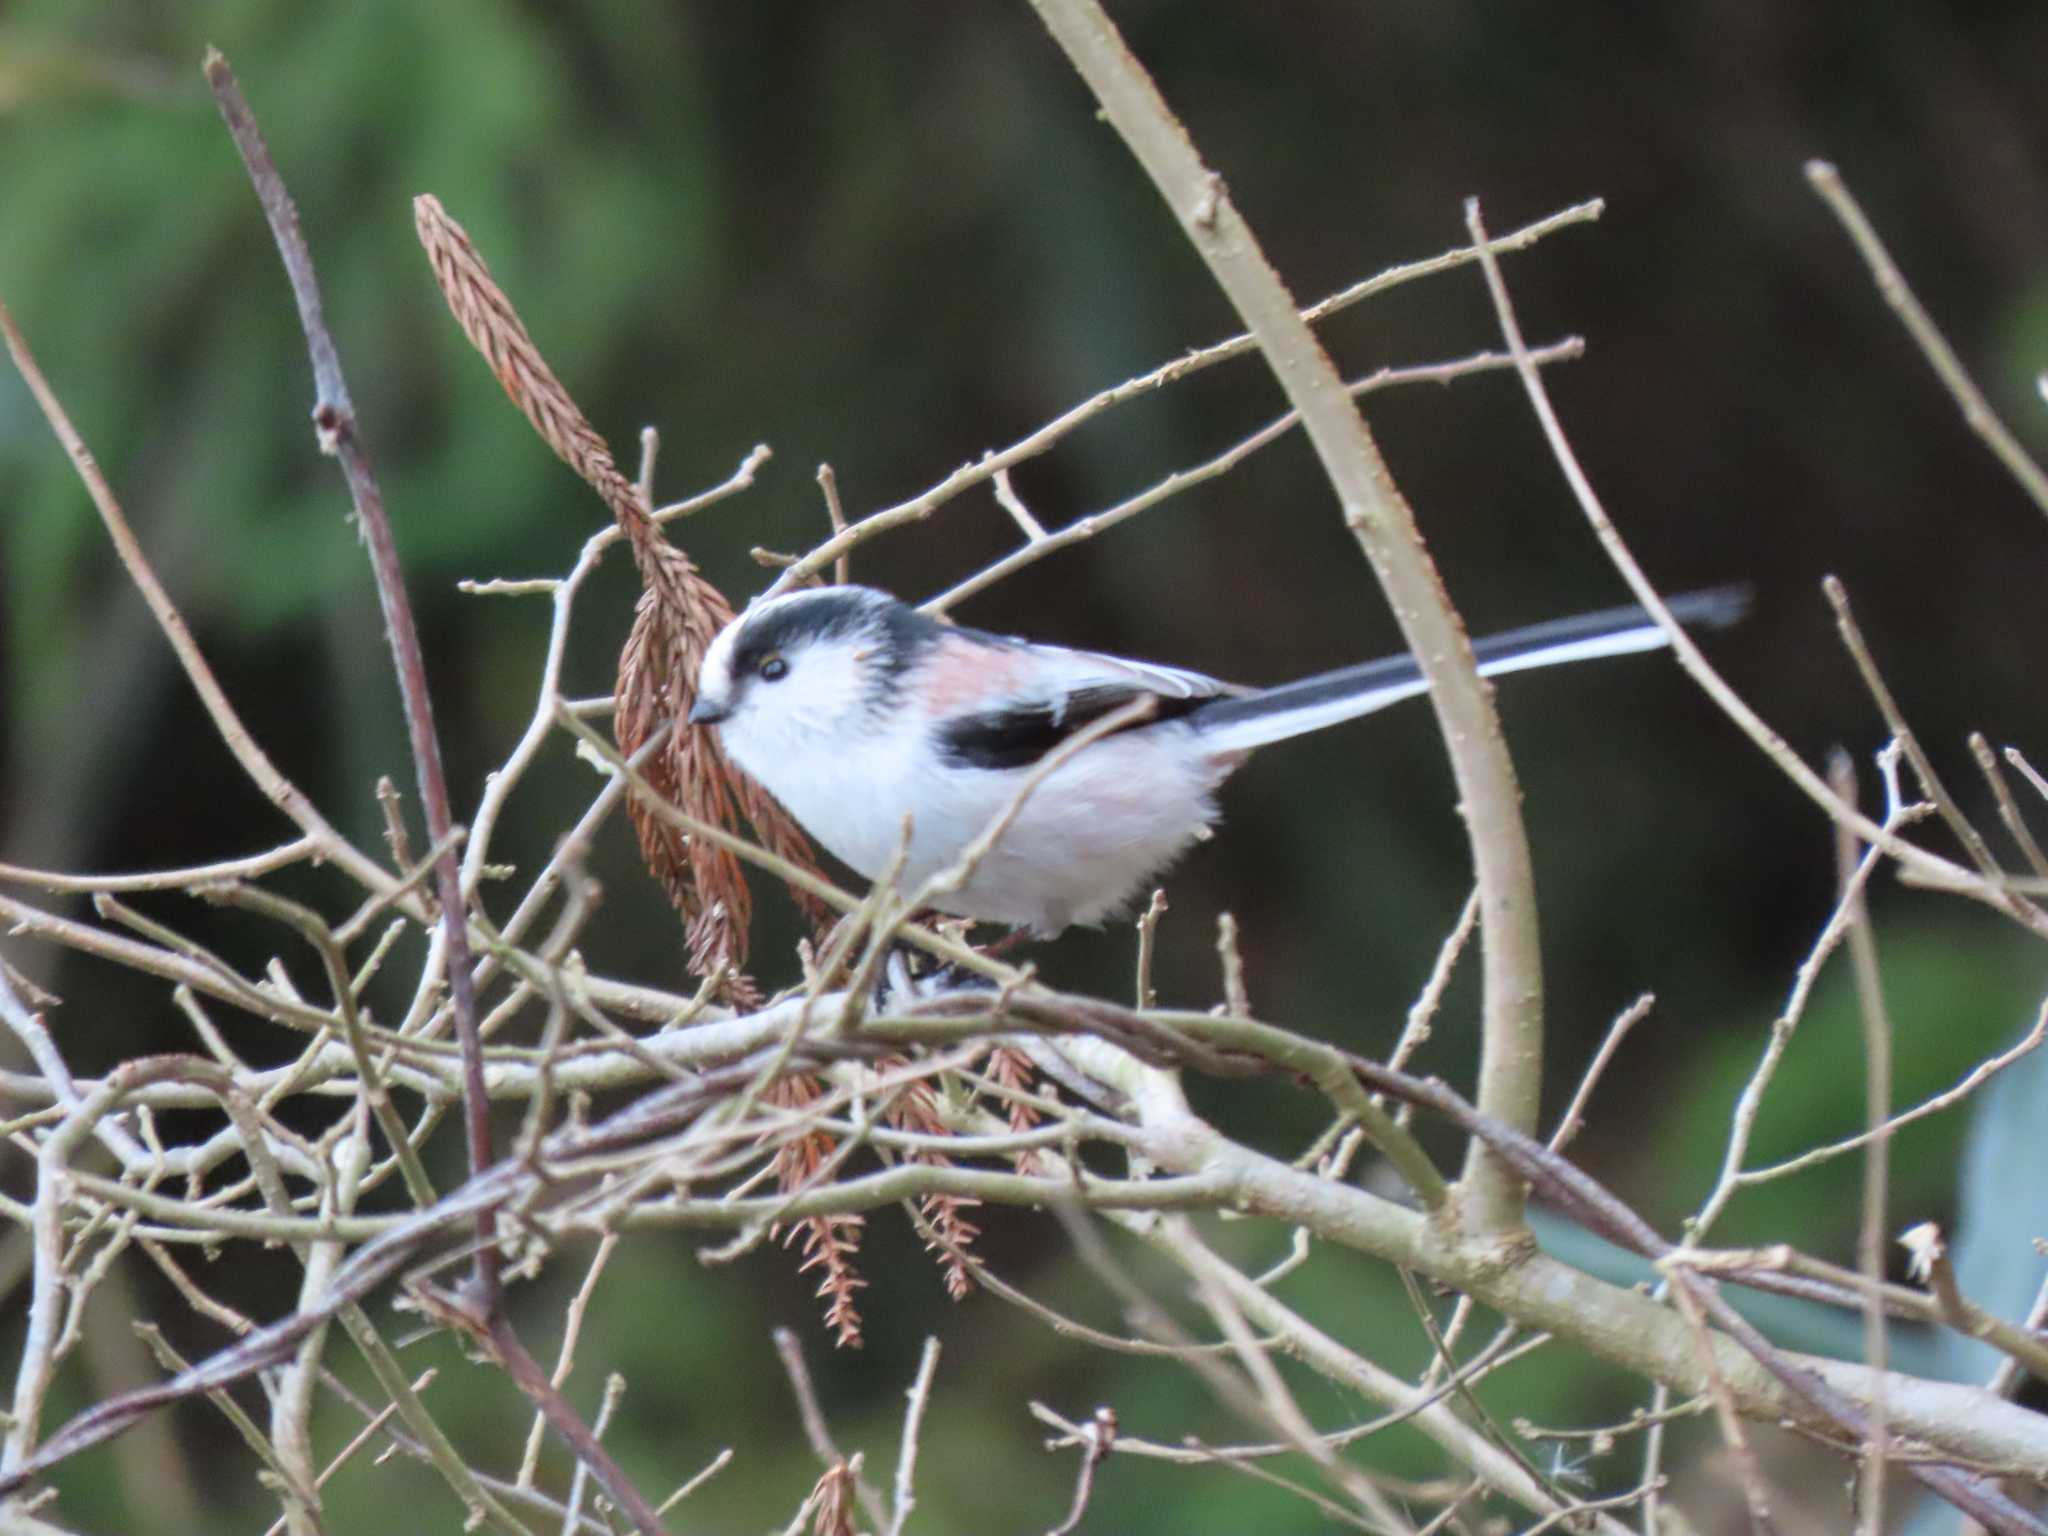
(856, 712)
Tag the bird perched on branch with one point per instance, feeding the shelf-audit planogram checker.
(1042, 786)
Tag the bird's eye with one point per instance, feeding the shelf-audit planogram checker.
(774, 669)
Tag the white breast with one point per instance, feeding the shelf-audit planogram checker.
(1077, 849)
(1087, 840)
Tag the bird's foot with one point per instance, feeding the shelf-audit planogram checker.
(910, 975)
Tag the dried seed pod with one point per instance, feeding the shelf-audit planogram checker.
(678, 616)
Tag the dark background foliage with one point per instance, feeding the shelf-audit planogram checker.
(893, 235)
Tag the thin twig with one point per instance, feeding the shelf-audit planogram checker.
(828, 486)
(1891, 285)
(1096, 1441)
(1179, 481)
(913, 1428)
(1877, 1093)
(1685, 650)
(2008, 808)
(339, 434)
(790, 1350)
(527, 1375)
(1008, 499)
(249, 868)
(1574, 1117)
(972, 474)
(711, 1469)
(276, 788)
(2022, 1346)
(1902, 733)
(1148, 938)
(565, 1359)
(579, 1484)
(2027, 770)
(1948, 1098)
(1415, 1029)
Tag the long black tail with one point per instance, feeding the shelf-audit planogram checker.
(1293, 709)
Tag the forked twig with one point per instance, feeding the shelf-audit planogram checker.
(1097, 1439)
(919, 507)
(1934, 869)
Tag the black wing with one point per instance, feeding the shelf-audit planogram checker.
(1022, 734)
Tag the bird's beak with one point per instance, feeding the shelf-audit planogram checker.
(708, 711)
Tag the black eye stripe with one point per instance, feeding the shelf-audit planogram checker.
(899, 635)
(773, 669)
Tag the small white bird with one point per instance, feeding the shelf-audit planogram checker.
(856, 711)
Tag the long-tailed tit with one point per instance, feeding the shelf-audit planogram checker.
(856, 711)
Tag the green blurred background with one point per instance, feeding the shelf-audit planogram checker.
(891, 236)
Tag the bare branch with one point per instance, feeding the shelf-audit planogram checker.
(1512, 1010)
(1096, 1442)
(967, 476)
(339, 434)
(913, 1426)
